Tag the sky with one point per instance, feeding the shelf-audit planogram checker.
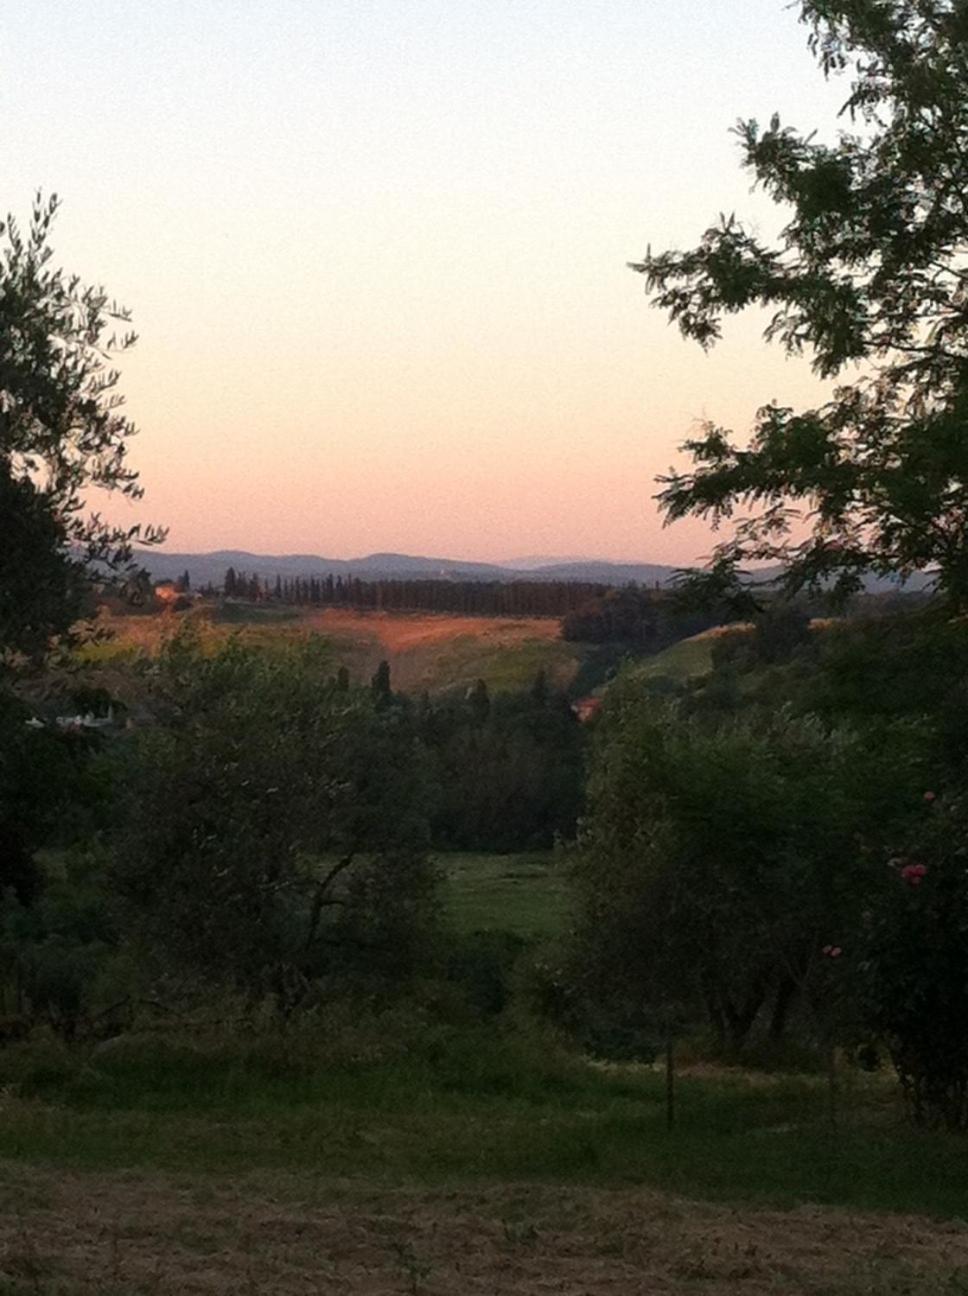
(376, 254)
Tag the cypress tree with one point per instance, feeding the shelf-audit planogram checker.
(380, 683)
(480, 702)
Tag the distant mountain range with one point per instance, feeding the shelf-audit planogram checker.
(545, 560)
(210, 569)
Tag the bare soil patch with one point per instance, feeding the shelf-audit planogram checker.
(77, 1234)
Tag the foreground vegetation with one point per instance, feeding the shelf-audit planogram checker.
(394, 1101)
(379, 1152)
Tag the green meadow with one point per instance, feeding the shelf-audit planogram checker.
(525, 895)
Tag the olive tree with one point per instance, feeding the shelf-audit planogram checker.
(272, 827)
(721, 854)
(63, 435)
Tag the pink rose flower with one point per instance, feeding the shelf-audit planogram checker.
(914, 873)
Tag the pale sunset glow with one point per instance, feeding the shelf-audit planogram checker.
(376, 254)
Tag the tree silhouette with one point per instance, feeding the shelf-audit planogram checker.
(480, 702)
(869, 271)
(380, 683)
(62, 433)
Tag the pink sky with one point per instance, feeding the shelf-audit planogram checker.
(376, 254)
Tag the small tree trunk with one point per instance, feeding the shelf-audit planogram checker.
(739, 1021)
(714, 1011)
(670, 1078)
(785, 996)
(833, 1090)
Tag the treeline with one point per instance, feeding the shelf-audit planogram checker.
(506, 773)
(494, 598)
(639, 618)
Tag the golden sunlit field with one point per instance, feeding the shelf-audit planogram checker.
(425, 650)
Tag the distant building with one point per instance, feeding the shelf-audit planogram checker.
(75, 723)
(587, 708)
(169, 597)
(87, 721)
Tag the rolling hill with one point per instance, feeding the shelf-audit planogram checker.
(210, 568)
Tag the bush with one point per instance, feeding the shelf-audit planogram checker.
(912, 965)
(59, 951)
(481, 966)
(606, 1028)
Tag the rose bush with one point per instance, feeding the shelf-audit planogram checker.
(913, 972)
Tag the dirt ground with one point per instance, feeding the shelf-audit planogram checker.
(69, 1233)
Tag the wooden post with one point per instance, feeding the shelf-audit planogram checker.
(670, 1072)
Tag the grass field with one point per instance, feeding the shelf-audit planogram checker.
(525, 895)
(425, 650)
(403, 1103)
(478, 1162)
(687, 659)
(384, 1151)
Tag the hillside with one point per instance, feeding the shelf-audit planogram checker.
(210, 568)
(686, 659)
(425, 651)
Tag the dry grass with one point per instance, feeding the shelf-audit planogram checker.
(75, 1234)
(424, 649)
(400, 632)
(394, 631)
(429, 650)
